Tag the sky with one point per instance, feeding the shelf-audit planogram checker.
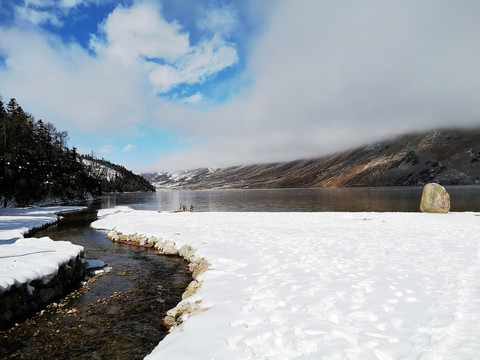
(163, 85)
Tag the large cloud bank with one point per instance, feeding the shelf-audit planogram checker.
(331, 75)
(319, 76)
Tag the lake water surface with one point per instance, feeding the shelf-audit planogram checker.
(463, 198)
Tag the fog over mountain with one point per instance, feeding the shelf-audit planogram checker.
(449, 157)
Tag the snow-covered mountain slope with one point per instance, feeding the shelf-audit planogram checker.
(451, 157)
(100, 171)
(113, 177)
(180, 179)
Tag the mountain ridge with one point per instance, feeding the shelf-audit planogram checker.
(450, 157)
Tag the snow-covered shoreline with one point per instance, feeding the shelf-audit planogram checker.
(28, 265)
(323, 285)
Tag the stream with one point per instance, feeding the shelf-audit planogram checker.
(117, 315)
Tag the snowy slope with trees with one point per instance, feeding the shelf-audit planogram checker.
(37, 166)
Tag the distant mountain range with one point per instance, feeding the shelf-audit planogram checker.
(448, 157)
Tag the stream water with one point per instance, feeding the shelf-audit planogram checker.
(118, 315)
(115, 316)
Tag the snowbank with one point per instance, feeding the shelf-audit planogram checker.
(16, 222)
(28, 265)
(324, 285)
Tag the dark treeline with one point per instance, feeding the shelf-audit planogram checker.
(36, 165)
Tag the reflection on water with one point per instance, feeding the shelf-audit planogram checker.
(404, 199)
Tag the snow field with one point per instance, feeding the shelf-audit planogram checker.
(23, 260)
(324, 285)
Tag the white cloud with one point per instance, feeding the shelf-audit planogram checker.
(139, 35)
(129, 147)
(193, 99)
(70, 3)
(218, 20)
(130, 33)
(37, 17)
(204, 60)
(65, 4)
(62, 82)
(39, 3)
(54, 12)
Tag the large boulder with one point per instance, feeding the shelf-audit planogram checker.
(435, 199)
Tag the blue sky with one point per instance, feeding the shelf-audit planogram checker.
(165, 84)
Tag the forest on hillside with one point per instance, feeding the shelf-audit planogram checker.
(113, 177)
(37, 166)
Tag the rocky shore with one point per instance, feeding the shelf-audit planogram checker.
(26, 298)
(197, 265)
(34, 272)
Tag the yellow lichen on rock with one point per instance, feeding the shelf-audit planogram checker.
(435, 199)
